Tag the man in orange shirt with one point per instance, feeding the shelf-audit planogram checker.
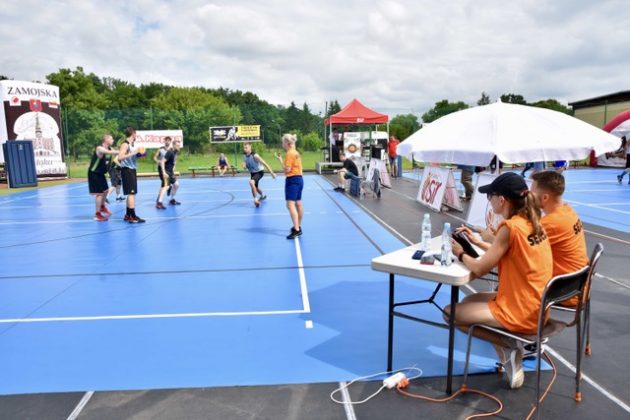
(393, 155)
(562, 225)
(294, 183)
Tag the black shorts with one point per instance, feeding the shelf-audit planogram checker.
(114, 176)
(167, 178)
(97, 183)
(256, 176)
(129, 181)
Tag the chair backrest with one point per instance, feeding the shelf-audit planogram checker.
(565, 286)
(595, 256)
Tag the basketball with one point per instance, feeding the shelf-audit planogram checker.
(141, 150)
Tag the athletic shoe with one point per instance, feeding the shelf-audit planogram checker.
(99, 217)
(174, 202)
(512, 363)
(127, 218)
(263, 197)
(340, 189)
(256, 203)
(136, 219)
(160, 206)
(619, 178)
(121, 198)
(107, 212)
(294, 233)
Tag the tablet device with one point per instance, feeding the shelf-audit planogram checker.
(461, 239)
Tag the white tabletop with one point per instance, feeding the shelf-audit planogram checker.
(400, 262)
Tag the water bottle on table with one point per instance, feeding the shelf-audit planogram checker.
(446, 257)
(425, 238)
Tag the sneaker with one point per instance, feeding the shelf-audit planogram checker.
(174, 202)
(256, 203)
(127, 218)
(294, 233)
(99, 217)
(105, 211)
(340, 189)
(512, 359)
(619, 178)
(121, 198)
(160, 206)
(135, 219)
(263, 197)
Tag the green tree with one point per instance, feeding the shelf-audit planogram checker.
(77, 89)
(553, 104)
(333, 108)
(3, 77)
(484, 100)
(86, 128)
(441, 109)
(402, 126)
(311, 141)
(512, 98)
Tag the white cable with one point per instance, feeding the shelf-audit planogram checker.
(346, 386)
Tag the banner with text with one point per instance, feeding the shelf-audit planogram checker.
(154, 139)
(31, 111)
(433, 186)
(235, 134)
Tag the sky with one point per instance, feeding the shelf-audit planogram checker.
(396, 57)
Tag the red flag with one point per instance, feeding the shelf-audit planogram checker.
(35, 105)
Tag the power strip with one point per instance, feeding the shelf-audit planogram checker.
(393, 380)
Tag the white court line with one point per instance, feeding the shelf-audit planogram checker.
(80, 406)
(597, 206)
(147, 316)
(42, 195)
(303, 289)
(345, 397)
(601, 276)
(587, 379)
(583, 191)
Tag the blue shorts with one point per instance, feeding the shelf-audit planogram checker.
(293, 188)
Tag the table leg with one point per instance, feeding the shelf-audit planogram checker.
(390, 328)
(451, 339)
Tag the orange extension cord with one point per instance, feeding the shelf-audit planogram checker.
(464, 389)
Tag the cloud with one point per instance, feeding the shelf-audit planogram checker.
(396, 56)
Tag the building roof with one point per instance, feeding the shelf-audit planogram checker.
(611, 98)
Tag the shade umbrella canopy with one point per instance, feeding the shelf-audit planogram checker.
(515, 133)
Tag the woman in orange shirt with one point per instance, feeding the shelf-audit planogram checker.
(522, 253)
(294, 183)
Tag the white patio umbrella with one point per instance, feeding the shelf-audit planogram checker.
(515, 133)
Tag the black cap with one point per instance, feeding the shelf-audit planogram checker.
(507, 184)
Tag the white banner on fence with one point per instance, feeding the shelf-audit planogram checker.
(154, 139)
(30, 111)
(433, 186)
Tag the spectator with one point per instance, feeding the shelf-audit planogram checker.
(349, 171)
(626, 147)
(467, 174)
(223, 164)
(523, 255)
(393, 155)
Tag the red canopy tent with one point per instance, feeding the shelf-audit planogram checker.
(357, 114)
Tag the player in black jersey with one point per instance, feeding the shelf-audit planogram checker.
(170, 160)
(97, 183)
(160, 159)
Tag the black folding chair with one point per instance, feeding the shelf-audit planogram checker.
(558, 289)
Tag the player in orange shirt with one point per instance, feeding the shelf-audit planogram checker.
(294, 183)
(522, 253)
(562, 225)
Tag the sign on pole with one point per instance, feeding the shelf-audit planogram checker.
(235, 134)
(31, 111)
(154, 139)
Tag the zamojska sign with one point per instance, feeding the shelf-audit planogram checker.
(31, 111)
(235, 134)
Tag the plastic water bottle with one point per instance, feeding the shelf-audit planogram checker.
(425, 238)
(447, 251)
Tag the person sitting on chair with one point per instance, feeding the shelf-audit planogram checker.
(522, 252)
(349, 171)
(222, 164)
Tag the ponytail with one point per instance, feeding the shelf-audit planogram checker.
(526, 207)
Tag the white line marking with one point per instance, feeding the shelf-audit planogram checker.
(585, 191)
(601, 276)
(597, 206)
(308, 324)
(147, 316)
(80, 406)
(589, 380)
(345, 397)
(303, 289)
